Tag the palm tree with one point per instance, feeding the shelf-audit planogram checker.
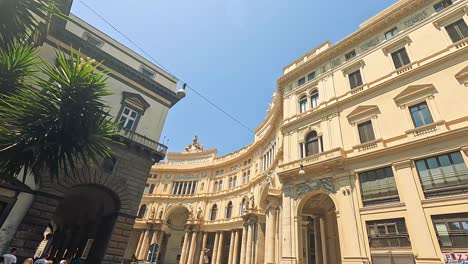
(20, 19)
(54, 123)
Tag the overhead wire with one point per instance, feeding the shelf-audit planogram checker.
(236, 120)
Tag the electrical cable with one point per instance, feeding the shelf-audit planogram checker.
(236, 120)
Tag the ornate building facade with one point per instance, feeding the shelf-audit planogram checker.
(361, 158)
(90, 214)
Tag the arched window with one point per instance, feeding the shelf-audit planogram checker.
(215, 186)
(234, 182)
(214, 212)
(151, 189)
(314, 99)
(312, 145)
(230, 182)
(220, 186)
(303, 104)
(147, 186)
(229, 210)
(243, 206)
(142, 211)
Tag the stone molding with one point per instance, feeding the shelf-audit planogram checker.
(326, 184)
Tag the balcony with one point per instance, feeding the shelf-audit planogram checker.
(445, 184)
(155, 149)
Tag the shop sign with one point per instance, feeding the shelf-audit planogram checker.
(455, 258)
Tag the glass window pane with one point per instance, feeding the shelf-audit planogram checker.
(133, 114)
(454, 226)
(129, 124)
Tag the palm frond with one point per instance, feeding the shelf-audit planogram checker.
(16, 67)
(60, 127)
(20, 19)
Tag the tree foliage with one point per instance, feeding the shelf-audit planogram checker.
(52, 117)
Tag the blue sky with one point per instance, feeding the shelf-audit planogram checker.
(231, 51)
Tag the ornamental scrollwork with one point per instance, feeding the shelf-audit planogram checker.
(326, 184)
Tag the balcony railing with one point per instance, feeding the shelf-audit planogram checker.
(445, 184)
(143, 141)
(381, 194)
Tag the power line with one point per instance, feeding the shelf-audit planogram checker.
(162, 67)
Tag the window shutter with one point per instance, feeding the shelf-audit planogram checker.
(452, 31)
(404, 57)
(396, 60)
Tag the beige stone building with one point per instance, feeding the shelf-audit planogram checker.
(361, 158)
(90, 214)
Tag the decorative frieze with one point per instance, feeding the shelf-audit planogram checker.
(326, 184)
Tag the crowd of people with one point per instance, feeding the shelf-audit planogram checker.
(10, 258)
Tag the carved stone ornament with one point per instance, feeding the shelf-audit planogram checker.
(195, 146)
(326, 184)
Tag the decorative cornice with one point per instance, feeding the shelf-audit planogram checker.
(378, 24)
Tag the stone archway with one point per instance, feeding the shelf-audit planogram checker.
(176, 220)
(318, 230)
(83, 223)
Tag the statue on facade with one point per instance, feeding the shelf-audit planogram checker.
(199, 213)
(195, 146)
(153, 213)
(252, 201)
(160, 214)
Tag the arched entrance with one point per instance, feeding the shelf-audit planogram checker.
(83, 223)
(319, 240)
(171, 248)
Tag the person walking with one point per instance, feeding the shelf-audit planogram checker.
(10, 258)
(41, 260)
(28, 261)
(2, 260)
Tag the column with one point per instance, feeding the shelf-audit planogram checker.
(417, 223)
(236, 248)
(154, 239)
(244, 244)
(323, 234)
(318, 241)
(144, 245)
(288, 226)
(140, 243)
(270, 236)
(220, 248)
(215, 248)
(248, 250)
(193, 246)
(183, 255)
(203, 249)
(231, 247)
(159, 242)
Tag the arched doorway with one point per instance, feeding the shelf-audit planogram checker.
(319, 230)
(171, 248)
(83, 223)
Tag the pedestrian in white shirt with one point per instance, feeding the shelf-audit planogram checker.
(10, 258)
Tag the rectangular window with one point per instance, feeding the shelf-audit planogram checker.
(443, 175)
(246, 177)
(128, 118)
(420, 114)
(390, 233)
(6, 204)
(350, 55)
(301, 81)
(303, 104)
(366, 132)
(400, 58)
(378, 186)
(314, 99)
(311, 76)
(355, 79)
(220, 186)
(147, 73)
(457, 30)
(442, 5)
(452, 230)
(391, 33)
